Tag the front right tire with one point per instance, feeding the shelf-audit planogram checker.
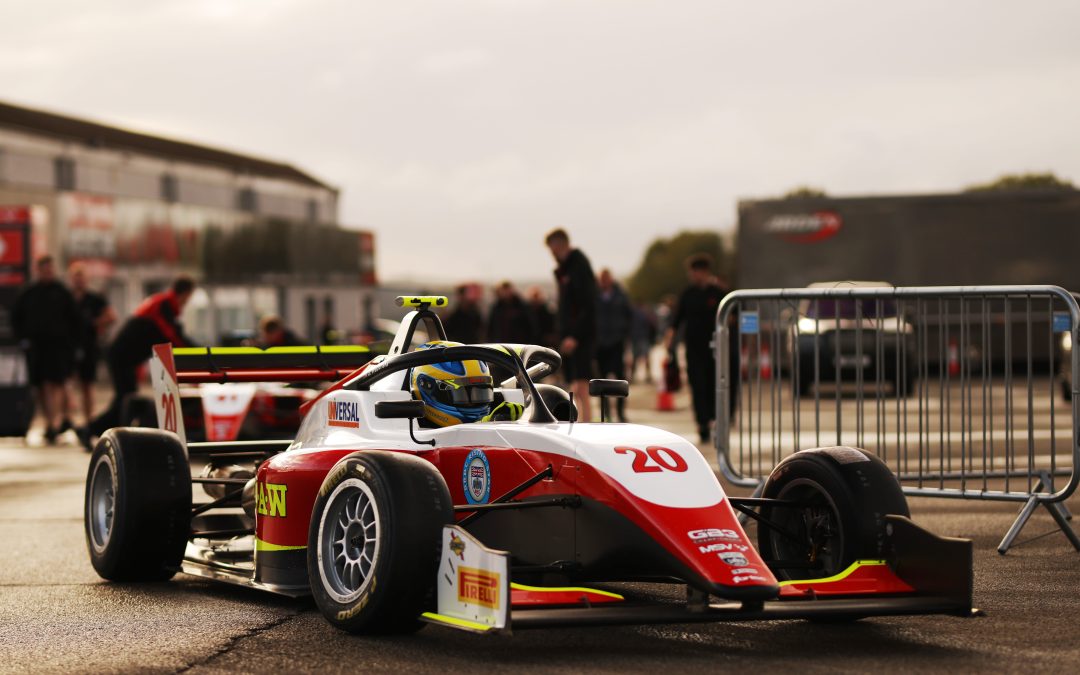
(137, 509)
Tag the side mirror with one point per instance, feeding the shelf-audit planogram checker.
(620, 388)
(399, 410)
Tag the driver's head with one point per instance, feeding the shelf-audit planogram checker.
(452, 391)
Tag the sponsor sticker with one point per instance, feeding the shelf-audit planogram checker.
(270, 499)
(734, 559)
(712, 534)
(476, 477)
(343, 414)
(457, 546)
(717, 548)
(478, 587)
(748, 577)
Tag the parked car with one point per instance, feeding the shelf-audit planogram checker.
(848, 339)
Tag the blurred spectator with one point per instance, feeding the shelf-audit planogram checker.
(576, 317)
(696, 316)
(97, 316)
(465, 324)
(509, 320)
(642, 338)
(274, 333)
(155, 321)
(328, 335)
(613, 318)
(46, 322)
(542, 319)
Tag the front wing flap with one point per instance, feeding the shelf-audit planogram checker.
(921, 574)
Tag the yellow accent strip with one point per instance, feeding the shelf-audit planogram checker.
(239, 351)
(567, 589)
(836, 577)
(261, 545)
(455, 622)
(421, 301)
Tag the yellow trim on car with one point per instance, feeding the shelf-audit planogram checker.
(565, 589)
(240, 351)
(261, 545)
(836, 577)
(455, 622)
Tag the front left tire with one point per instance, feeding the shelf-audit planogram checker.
(375, 540)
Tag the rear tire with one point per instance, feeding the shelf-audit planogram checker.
(137, 509)
(375, 540)
(846, 492)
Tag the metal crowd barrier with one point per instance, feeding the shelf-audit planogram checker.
(965, 392)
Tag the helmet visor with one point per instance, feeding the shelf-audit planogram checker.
(469, 391)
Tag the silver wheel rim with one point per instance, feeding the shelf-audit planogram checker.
(102, 502)
(348, 540)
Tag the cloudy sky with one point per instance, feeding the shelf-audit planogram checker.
(460, 131)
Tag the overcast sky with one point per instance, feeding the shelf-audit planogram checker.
(460, 131)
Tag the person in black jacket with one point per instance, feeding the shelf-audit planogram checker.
(46, 322)
(155, 321)
(613, 319)
(576, 317)
(696, 316)
(509, 321)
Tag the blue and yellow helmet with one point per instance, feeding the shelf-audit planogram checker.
(452, 391)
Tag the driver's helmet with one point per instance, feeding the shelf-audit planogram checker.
(452, 391)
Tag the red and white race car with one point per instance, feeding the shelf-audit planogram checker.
(493, 525)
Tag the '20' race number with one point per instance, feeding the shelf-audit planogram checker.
(168, 404)
(654, 459)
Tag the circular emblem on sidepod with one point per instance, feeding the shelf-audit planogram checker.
(476, 477)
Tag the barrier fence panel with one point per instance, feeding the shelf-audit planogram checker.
(965, 392)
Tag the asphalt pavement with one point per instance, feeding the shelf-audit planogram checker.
(56, 615)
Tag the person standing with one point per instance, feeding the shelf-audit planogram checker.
(642, 337)
(45, 321)
(542, 319)
(97, 316)
(509, 321)
(465, 323)
(274, 333)
(155, 321)
(695, 314)
(613, 318)
(576, 316)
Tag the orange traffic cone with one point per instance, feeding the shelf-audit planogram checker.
(665, 394)
(954, 357)
(765, 362)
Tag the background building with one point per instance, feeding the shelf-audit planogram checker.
(260, 236)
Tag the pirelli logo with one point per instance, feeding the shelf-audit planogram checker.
(343, 414)
(478, 587)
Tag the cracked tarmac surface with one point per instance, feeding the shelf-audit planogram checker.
(56, 615)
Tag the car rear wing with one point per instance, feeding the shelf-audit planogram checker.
(170, 367)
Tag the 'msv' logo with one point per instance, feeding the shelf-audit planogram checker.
(270, 499)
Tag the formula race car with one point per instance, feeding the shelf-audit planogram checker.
(248, 410)
(445, 484)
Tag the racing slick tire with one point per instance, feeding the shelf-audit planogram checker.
(845, 494)
(137, 509)
(375, 540)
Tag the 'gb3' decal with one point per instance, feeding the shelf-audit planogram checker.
(654, 459)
